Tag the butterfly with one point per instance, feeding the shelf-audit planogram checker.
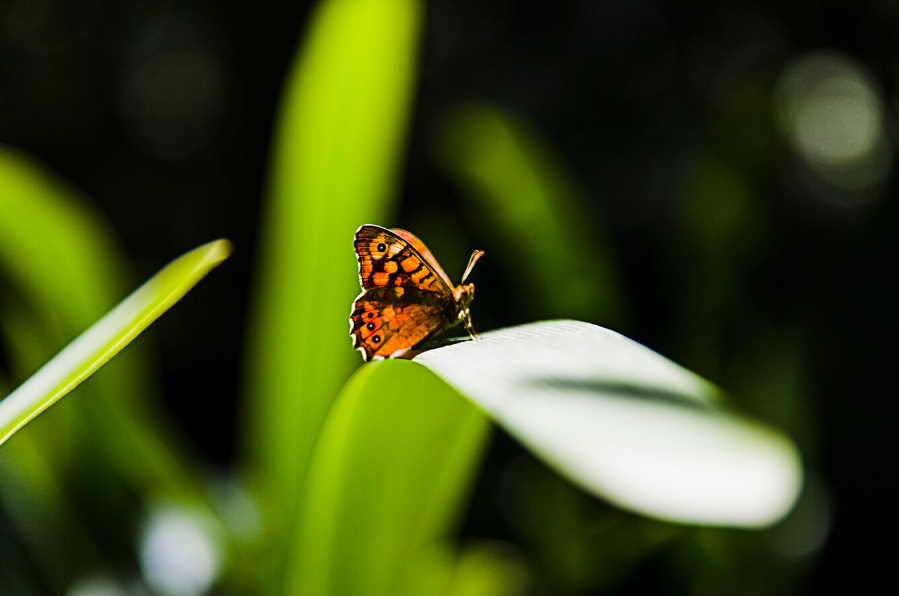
(406, 297)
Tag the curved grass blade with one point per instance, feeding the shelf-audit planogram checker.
(626, 424)
(64, 269)
(93, 348)
(394, 461)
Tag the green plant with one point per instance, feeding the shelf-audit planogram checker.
(361, 479)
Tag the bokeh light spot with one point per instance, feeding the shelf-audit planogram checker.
(180, 554)
(839, 122)
(833, 116)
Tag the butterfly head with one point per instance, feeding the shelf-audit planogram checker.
(465, 294)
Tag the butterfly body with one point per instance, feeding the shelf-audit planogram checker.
(406, 296)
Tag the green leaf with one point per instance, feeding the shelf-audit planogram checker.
(339, 140)
(626, 424)
(56, 248)
(64, 269)
(392, 465)
(93, 348)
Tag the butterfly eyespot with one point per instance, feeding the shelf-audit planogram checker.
(406, 296)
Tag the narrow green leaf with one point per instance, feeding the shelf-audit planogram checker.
(93, 348)
(338, 143)
(625, 423)
(394, 460)
(63, 269)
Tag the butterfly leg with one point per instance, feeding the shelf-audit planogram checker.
(469, 327)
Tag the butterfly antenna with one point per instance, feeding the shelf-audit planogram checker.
(474, 259)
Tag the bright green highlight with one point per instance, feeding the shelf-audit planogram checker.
(93, 348)
(338, 144)
(67, 269)
(391, 470)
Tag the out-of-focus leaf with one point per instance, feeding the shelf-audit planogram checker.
(338, 142)
(626, 424)
(93, 348)
(721, 243)
(482, 568)
(392, 464)
(489, 569)
(29, 485)
(575, 542)
(522, 196)
(429, 570)
(64, 269)
(55, 246)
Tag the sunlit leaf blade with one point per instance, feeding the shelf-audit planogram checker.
(338, 144)
(65, 269)
(625, 423)
(515, 185)
(93, 348)
(393, 462)
(61, 269)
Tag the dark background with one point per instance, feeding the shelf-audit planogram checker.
(162, 113)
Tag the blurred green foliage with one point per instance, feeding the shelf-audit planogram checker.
(521, 195)
(356, 490)
(388, 476)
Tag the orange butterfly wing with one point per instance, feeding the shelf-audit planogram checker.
(386, 322)
(397, 259)
(425, 253)
(406, 295)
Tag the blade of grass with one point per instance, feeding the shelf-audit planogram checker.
(391, 467)
(63, 268)
(93, 348)
(626, 424)
(337, 152)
